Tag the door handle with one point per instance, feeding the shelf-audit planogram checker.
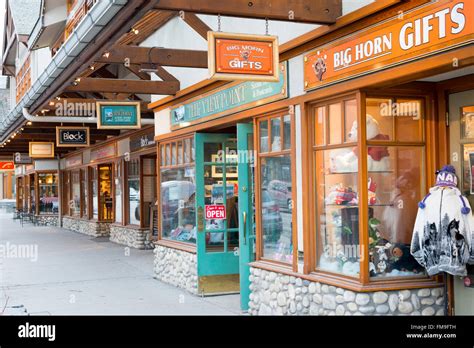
(244, 218)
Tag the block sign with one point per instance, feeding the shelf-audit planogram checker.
(425, 31)
(7, 165)
(215, 212)
(72, 136)
(118, 115)
(41, 150)
(243, 57)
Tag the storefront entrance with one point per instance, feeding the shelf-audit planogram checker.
(225, 216)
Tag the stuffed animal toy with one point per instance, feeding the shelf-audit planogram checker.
(340, 195)
(345, 160)
(402, 260)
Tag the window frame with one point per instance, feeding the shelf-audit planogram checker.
(363, 282)
(162, 164)
(259, 257)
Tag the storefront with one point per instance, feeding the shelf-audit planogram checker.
(37, 187)
(7, 180)
(109, 190)
(321, 188)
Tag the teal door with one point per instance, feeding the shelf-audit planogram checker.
(217, 199)
(246, 207)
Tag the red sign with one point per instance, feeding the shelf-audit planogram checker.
(7, 166)
(429, 29)
(215, 212)
(243, 57)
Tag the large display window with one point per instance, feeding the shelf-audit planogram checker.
(48, 193)
(275, 210)
(177, 211)
(369, 169)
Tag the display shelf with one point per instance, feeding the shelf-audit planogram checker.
(356, 205)
(374, 172)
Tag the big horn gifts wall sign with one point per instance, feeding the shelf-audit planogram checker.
(118, 115)
(41, 150)
(72, 136)
(243, 57)
(431, 28)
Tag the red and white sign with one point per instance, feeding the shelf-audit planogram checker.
(7, 165)
(215, 212)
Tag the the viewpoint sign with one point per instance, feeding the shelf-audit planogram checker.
(229, 99)
(72, 136)
(41, 150)
(118, 115)
(22, 158)
(427, 30)
(243, 57)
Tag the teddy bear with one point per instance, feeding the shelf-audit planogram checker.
(345, 160)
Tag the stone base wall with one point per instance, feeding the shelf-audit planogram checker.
(278, 294)
(176, 267)
(47, 220)
(134, 238)
(90, 228)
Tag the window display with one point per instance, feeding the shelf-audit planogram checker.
(133, 184)
(398, 171)
(85, 193)
(118, 192)
(149, 184)
(105, 192)
(177, 193)
(75, 202)
(394, 185)
(276, 198)
(48, 193)
(95, 193)
(337, 192)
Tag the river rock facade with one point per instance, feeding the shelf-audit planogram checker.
(278, 294)
(131, 237)
(176, 267)
(90, 228)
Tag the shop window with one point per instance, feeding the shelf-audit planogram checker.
(396, 183)
(95, 193)
(85, 193)
(75, 202)
(66, 207)
(275, 204)
(392, 185)
(106, 199)
(48, 193)
(177, 192)
(133, 186)
(118, 192)
(149, 185)
(32, 193)
(336, 183)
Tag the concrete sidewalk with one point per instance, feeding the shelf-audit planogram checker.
(76, 274)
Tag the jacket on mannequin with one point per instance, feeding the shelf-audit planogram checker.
(443, 235)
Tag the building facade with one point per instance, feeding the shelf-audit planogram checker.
(300, 194)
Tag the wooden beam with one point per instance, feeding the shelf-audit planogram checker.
(307, 11)
(125, 86)
(155, 55)
(163, 74)
(196, 23)
(135, 68)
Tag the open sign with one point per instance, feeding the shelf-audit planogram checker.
(215, 212)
